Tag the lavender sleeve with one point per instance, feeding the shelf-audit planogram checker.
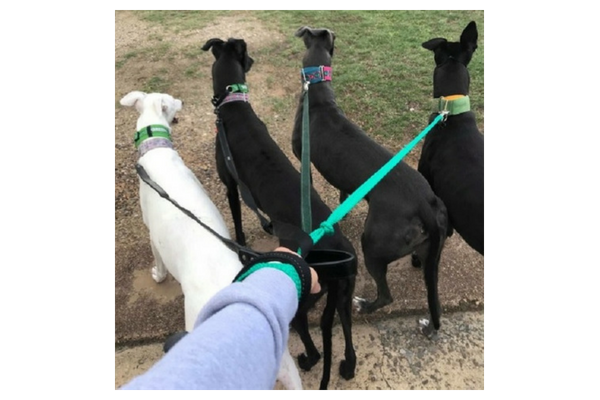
(237, 342)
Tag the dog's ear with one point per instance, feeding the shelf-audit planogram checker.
(331, 39)
(169, 103)
(133, 99)
(304, 34)
(217, 46)
(308, 34)
(301, 31)
(434, 44)
(242, 53)
(169, 106)
(468, 38)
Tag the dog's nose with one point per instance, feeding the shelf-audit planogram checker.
(182, 102)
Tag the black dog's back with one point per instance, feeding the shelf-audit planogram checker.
(452, 158)
(452, 162)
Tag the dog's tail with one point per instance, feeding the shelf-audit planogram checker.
(436, 223)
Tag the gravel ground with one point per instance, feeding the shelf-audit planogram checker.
(390, 355)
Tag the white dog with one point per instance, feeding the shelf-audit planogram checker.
(197, 259)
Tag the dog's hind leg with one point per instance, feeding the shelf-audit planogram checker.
(326, 331)
(159, 271)
(344, 307)
(430, 252)
(311, 357)
(377, 267)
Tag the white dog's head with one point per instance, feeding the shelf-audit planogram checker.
(154, 108)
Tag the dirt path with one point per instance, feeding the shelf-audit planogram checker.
(151, 55)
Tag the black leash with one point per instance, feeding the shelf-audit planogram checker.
(325, 262)
(244, 191)
(245, 254)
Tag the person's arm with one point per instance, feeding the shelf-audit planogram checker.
(238, 339)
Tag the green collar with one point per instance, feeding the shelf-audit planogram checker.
(237, 88)
(456, 104)
(149, 132)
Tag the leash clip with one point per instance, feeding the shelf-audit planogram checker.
(444, 112)
(305, 82)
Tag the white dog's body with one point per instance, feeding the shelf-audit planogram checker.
(197, 259)
(194, 256)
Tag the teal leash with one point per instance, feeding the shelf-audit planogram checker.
(326, 227)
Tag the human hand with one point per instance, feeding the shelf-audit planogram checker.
(314, 278)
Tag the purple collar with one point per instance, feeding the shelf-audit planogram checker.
(153, 143)
(234, 97)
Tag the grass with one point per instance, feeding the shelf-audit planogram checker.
(156, 84)
(381, 75)
(195, 71)
(157, 52)
(127, 56)
(380, 70)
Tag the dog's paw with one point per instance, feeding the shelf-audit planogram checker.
(427, 329)
(362, 305)
(158, 274)
(359, 303)
(306, 363)
(347, 369)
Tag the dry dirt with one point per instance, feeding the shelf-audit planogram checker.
(145, 312)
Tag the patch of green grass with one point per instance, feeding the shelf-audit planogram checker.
(158, 52)
(195, 70)
(156, 84)
(152, 53)
(155, 37)
(127, 56)
(194, 51)
(281, 106)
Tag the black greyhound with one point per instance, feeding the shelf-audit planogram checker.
(404, 214)
(275, 186)
(452, 155)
